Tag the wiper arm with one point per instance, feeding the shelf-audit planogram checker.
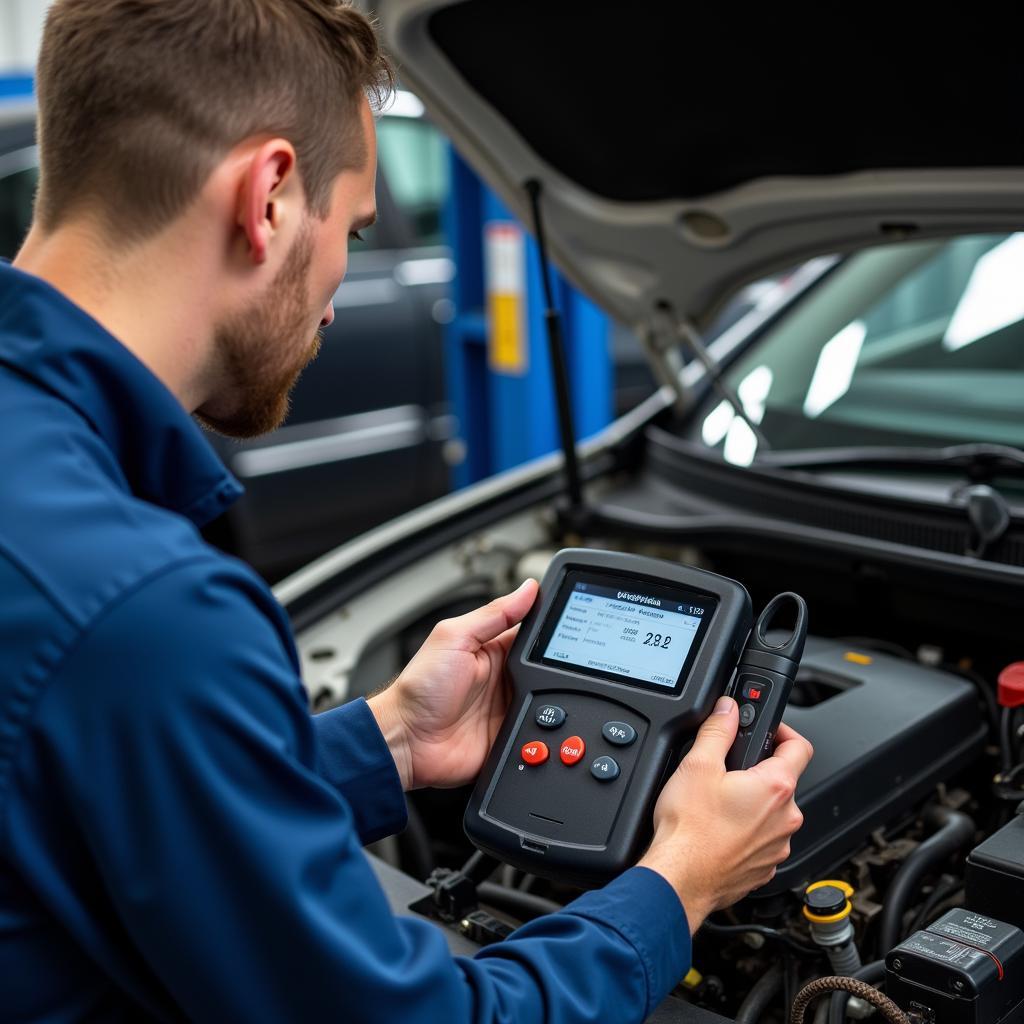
(980, 462)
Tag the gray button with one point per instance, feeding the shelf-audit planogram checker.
(618, 733)
(605, 768)
(550, 716)
(747, 714)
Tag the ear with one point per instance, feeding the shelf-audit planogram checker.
(260, 197)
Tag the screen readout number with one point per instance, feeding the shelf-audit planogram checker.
(651, 640)
(657, 640)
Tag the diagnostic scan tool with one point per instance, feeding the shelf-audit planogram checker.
(614, 669)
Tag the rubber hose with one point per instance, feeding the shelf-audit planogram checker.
(414, 846)
(871, 973)
(955, 830)
(523, 905)
(821, 986)
(1006, 739)
(480, 866)
(765, 989)
(769, 933)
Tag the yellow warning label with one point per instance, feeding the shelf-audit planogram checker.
(506, 351)
(857, 658)
(505, 256)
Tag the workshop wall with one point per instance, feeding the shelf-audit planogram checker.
(21, 27)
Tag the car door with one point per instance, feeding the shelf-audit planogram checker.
(19, 174)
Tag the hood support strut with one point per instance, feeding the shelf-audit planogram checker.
(556, 353)
(690, 337)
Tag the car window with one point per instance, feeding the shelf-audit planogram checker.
(17, 191)
(918, 343)
(413, 157)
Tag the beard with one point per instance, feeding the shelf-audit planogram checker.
(262, 352)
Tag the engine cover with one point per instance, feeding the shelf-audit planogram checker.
(885, 731)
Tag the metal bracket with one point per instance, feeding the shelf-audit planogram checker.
(662, 350)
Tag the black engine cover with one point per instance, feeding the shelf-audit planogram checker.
(885, 731)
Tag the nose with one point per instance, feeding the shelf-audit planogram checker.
(328, 317)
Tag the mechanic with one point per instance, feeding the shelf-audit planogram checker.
(179, 837)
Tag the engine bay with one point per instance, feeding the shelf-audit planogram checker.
(911, 804)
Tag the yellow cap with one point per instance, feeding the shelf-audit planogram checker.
(847, 891)
(693, 978)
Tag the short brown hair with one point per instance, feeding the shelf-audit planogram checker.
(139, 99)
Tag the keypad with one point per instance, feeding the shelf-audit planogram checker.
(574, 748)
(555, 792)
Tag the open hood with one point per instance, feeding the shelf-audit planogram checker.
(686, 149)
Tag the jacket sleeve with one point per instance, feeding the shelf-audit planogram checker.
(226, 879)
(353, 757)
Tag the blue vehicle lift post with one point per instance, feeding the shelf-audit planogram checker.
(505, 407)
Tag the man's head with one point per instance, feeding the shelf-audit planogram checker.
(238, 130)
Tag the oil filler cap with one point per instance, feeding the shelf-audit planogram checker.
(828, 901)
(1011, 685)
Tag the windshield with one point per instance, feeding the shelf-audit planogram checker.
(911, 344)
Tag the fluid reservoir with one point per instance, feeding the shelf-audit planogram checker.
(827, 907)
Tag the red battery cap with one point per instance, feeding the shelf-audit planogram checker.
(1011, 685)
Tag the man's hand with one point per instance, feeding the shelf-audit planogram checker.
(720, 834)
(441, 715)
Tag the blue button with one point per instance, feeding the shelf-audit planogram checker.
(604, 768)
(550, 716)
(619, 733)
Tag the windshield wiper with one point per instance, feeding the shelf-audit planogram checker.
(986, 509)
(979, 462)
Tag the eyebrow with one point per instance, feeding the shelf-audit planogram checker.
(365, 222)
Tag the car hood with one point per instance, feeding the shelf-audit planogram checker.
(684, 152)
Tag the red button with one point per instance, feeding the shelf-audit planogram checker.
(534, 752)
(753, 693)
(572, 750)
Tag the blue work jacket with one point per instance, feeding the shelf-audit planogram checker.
(179, 837)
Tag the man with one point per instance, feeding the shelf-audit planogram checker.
(178, 837)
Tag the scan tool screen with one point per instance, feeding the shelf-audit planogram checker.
(626, 630)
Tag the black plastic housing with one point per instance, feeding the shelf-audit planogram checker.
(885, 732)
(764, 680)
(965, 968)
(995, 874)
(556, 820)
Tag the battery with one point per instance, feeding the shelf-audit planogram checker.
(965, 968)
(995, 874)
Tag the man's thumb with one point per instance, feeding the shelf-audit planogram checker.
(717, 733)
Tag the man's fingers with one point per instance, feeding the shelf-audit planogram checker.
(786, 732)
(792, 750)
(477, 627)
(504, 641)
(717, 733)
